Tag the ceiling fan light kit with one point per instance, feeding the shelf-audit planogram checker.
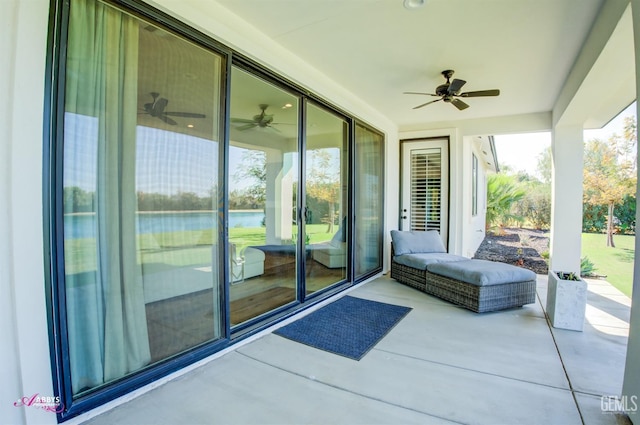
(449, 92)
(414, 4)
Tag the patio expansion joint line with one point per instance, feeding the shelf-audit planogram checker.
(475, 370)
(566, 373)
(349, 391)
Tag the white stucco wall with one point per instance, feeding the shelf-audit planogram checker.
(24, 352)
(11, 388)
(475, 231)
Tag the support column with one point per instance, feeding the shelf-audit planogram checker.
(566, 198)
(631, 383)
(279, 194)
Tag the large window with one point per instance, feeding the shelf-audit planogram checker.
(141, 141)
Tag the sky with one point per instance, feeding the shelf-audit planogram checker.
(520, 151)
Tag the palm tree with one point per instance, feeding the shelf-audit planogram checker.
(502, 192)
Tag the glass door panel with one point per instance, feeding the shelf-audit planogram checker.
(262, 186)
(326, 189)
(369, 148)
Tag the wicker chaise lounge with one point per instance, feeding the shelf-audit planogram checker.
(420, 261)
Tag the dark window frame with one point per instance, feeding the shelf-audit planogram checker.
(474, 184)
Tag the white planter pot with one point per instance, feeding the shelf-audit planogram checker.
(566, 302)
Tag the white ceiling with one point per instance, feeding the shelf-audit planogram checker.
(377, 49)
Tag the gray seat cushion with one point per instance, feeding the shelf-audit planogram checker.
(481, 272)
(421, 261)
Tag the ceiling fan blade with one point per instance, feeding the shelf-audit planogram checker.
(158, 106)
(459, 104)
(494, 92)
(414, 92)
(247, 126)
(425, 104)
(185, 114)
(242, 120)
(167, 120)
(455, 86)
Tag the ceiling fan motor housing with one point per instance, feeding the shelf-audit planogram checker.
(442, 89)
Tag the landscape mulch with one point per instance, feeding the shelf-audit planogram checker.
(519, 247)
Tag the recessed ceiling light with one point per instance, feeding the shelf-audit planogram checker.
(287, 106)
(190, 125)
(414, 4)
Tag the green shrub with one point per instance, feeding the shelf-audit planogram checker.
(587, 268)
(502, 192)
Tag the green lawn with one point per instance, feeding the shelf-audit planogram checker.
(616, 263)
(180, 249)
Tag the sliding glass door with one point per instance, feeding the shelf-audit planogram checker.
(263, 176)
(267, 246)
(326, 226)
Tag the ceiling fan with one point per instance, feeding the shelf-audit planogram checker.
(262, 120)
(449, 92)
(157, 109)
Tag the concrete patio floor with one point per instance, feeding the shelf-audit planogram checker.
(441, 364)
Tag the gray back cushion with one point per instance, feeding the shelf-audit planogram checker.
(416, 242)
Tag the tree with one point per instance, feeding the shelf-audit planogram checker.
(609, 175)
(544, 165)
(503, 191)
(323, 181)
(253, 170)
(535, 206)
(77, 199)
(630, 140)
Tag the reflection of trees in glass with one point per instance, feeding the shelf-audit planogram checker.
(78, 200)
(181, 201)
(323, 182)
(252, 172)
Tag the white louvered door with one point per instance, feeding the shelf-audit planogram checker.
(425, 188)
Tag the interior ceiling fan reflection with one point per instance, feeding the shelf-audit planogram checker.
(157, 109)
(449, 92)
(262, 120)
